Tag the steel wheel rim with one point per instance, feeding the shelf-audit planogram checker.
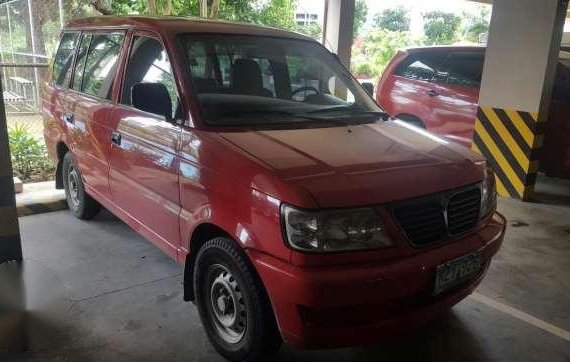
(225, 304)
(73, 186)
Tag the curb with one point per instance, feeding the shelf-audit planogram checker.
(41, 207)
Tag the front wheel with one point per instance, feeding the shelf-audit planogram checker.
(233, 305)
(80, 204)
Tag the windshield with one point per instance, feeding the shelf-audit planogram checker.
(250, 80)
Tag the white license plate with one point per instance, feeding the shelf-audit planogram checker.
(456, 271)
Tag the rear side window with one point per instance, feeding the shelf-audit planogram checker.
(80, 61)
(422, 66)
(101, 64)
(64, 59)
(97, 64)
(465, 69)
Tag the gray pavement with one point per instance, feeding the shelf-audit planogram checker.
(123, 298)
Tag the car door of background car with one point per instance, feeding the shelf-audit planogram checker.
(144, 162)
(413, 90)
(456, 93)
(90, 98)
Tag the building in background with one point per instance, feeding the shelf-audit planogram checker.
(309, 12)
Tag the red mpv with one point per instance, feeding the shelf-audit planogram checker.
(297, 214)
(438, 88)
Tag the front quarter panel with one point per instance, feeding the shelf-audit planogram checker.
(221, 185)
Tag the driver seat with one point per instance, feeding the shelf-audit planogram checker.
(246, 78)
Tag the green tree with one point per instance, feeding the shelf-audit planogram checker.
(396, 19)
(278, 13)
(441, 27)
(476, 24)
(360, 13)
(378, 48)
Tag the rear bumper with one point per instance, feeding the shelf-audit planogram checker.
(340, 306)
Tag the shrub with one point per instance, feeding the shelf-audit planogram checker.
(29, 156)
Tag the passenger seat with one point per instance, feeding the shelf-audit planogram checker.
(246, 79)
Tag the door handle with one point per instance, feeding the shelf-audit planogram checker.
(432, 93)
(116, 138)
(68, 117)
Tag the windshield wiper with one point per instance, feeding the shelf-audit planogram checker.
(334, 108)
(353, 111)
(267, 112)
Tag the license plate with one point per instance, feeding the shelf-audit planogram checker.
(456, 271)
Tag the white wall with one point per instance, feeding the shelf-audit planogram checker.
(520, 58)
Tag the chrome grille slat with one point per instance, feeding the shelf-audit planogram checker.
(435, 217)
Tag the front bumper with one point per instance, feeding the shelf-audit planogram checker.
(349, 305)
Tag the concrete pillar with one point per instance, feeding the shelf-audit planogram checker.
(337, 35)
(337, 28)
(10, 245)
(520, 64)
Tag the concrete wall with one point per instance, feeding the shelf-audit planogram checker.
(519, 53)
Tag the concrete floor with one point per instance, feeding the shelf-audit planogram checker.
(121, 298)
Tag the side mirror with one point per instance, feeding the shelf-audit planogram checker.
(369, 87)
(153, 98)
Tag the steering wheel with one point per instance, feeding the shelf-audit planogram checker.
(304, 89)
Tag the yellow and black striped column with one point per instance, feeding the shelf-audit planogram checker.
(10, 243)
(510, 140)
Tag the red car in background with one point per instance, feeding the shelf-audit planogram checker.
(438, 88)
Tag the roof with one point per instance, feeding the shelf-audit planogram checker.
(178, 24)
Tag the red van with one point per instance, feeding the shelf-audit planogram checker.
(438, 88)
(298, 215)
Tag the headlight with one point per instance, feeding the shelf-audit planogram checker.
(488, 193)
(333, 230)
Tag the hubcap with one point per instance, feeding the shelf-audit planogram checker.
(226, 304)
(73, 185)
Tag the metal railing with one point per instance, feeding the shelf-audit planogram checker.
(22, 86)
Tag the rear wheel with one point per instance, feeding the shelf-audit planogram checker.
(233, 304)
(80, 204)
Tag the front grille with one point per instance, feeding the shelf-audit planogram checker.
(463, 211)
(436, 217)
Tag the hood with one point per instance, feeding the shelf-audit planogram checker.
(359, 165)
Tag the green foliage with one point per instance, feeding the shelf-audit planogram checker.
(314, 30)
(278, 13)
(29, 156)
(396, 19)
(475, 25)
(360, 13)
(441, 27)
(362, 69)
(379, 46)
(237, 10)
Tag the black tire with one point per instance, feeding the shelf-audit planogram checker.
(413, 120)
(259, 339)
(80, 204)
